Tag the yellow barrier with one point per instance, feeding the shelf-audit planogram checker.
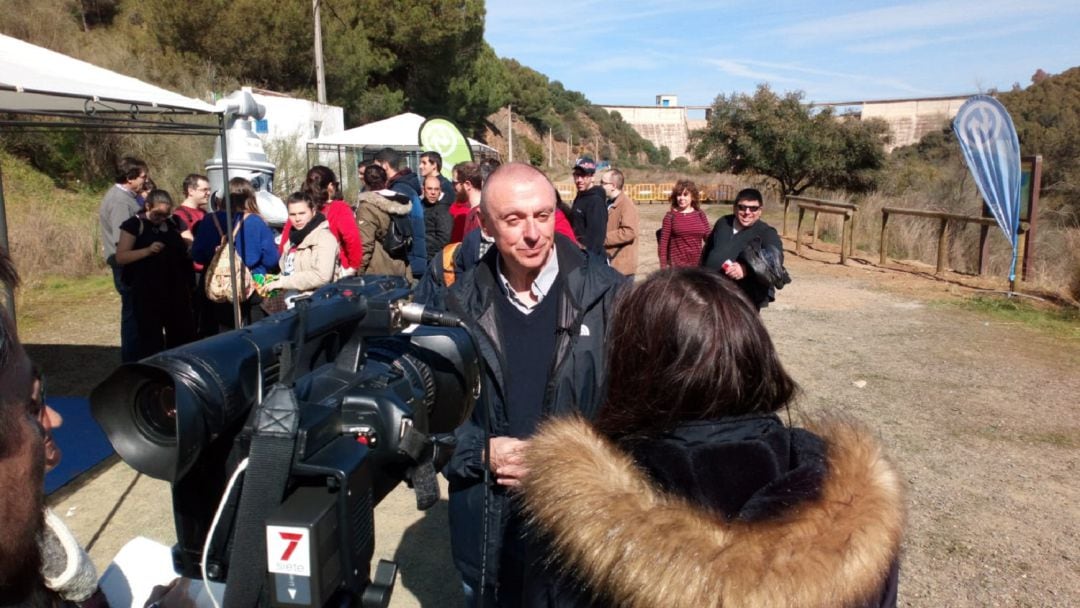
(657, 193)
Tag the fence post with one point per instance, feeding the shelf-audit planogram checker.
(845, 232)
(813, 234)
(798, 231)
(942, 250)
(884, 247)
(783, 230)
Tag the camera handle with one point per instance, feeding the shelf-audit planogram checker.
(274, 428)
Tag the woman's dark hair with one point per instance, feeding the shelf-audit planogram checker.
(685, 185)
(158, 197)
(374, 177)
(687, 345)
(300, 197)
(242, 196)
(317, 184)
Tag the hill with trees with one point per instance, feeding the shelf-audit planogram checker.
(381, 59)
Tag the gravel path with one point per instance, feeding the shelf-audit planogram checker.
(981, 417)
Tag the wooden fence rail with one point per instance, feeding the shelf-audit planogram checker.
(942, 217)
(847, 233)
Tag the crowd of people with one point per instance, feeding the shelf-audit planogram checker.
(708, 496)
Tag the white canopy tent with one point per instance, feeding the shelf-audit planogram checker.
(42, 90)
(35, 80)
(399, 132)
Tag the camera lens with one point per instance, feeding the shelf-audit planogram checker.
(155, 411)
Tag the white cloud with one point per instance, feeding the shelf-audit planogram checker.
(743, 69)
(920, 16)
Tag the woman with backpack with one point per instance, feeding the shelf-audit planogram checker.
(254, 245)
(385, 229)
(157, 267)
(310, 250)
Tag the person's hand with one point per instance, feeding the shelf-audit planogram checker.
(508, 460)
(173, 595)
(156, 247)
(266, 288)
(735, 271)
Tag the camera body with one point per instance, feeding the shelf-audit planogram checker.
(368, 392)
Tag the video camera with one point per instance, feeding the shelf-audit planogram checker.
(328, 407)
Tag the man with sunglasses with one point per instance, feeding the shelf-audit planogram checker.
(725, 247)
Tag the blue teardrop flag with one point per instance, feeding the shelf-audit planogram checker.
(992, 151)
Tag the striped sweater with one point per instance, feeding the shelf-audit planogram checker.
(681, 238)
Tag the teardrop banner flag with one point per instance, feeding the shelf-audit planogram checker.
(992, 151)
(442, 136)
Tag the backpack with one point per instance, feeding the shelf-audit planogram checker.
(219, 280)
(398, 240)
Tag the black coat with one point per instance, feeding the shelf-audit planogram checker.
(437, 226)
(589, 219)
(723, 245)
(575, 385)
(735, 512)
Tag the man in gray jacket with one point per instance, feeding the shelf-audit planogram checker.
(117, 206)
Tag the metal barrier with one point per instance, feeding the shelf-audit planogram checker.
(657, 193)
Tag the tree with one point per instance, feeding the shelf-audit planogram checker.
(1047, 119)
(784, 139)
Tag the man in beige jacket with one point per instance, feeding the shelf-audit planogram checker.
(620, 242)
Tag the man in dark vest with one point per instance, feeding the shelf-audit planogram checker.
(538, 306)
(726, 246)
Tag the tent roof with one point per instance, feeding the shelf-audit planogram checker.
(399, 132)
(36, 80)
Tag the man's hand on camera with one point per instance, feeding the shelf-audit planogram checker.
(508, 460)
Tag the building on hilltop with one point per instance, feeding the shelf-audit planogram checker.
(908, 119)
(669, 124)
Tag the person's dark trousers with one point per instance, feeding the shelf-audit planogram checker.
(129, 332)
(205, 322)
(162, 324)
(509, 592)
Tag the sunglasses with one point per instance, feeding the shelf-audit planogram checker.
(748, 208)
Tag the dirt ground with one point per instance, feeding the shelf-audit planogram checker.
(980, 415)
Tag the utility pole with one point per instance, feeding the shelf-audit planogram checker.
(550, 148)
(320, 71)
(510, 130)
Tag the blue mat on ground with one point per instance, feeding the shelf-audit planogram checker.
(81, 440)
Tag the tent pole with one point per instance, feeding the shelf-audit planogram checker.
(9, 290)
(226, 199)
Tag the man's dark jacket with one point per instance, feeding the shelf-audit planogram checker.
(576, 384)
(589, 219)
(437, 227)
(723, 245)
(406, 182)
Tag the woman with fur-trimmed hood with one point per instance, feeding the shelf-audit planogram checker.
(690, 490)
(373, 214)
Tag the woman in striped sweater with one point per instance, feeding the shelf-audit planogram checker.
(684, 229)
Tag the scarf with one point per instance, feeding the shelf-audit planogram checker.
(297, 236)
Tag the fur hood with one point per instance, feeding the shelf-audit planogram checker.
(388, 201)
(638, 546)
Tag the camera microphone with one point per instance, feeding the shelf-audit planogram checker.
(411, 312)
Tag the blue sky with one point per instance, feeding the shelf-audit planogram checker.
(628, 52)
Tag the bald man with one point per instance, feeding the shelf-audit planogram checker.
(539, 307)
